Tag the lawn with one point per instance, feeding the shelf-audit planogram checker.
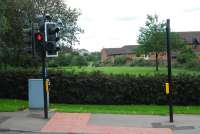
(125, 109)
(7, 105)
(128, 70)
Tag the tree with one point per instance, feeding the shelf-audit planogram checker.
(3, 20)
(78, 60)
(186, 55)
(152, 38)
(61, 12)
(16, 14)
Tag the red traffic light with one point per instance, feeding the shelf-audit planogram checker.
(39, 37)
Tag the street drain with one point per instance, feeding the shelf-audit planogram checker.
(173, 127)
(184, 128)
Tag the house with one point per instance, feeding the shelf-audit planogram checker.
(192, 38)
(110, 54)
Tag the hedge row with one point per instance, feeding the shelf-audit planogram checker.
(99, 88)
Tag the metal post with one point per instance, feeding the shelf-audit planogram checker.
(44, 75)
(169, 71)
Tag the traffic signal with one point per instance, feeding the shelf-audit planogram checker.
(27, 39)
(51, 39)
(27, 36)
(39, 37)
(39, 42)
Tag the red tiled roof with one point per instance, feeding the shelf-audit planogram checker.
(128, 49)
(189, 37)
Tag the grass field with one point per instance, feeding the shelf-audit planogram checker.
(126, 109)
(7, 105)
(15, 105)
(128, 70)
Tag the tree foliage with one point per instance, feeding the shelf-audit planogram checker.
(16, 14)
(152, 37)
(186, 55)
(61, 12)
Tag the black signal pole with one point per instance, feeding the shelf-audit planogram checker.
(169, 71)
(44, 75)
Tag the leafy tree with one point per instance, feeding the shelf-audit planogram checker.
(79, 61)
(61, 60)
(60, 11)
(16, 14)
(152, 38)
(93, 58)
(3, 20)
(186, 55)
(11, 36)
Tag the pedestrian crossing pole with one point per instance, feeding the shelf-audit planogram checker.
(169, 72)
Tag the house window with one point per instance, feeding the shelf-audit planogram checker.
(173, 57)
(146, 57)
(194, 43)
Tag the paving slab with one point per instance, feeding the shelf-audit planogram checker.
(183, 124)
(86, 123)
(79, 123)
(125, 120)
(27, 120)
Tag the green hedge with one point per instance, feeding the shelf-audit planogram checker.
(97, 88)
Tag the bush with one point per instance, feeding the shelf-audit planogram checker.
(120, 60)
(61, 60)
(79, 61)
(97, 88)
(186, 55)
(140, 62)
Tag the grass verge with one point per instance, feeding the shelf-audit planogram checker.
(125, 109)
(7, 105)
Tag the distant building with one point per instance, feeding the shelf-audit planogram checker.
(109, 54)
(193, 40)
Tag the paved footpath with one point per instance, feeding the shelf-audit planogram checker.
(86, 123)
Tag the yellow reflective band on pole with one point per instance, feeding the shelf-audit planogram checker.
(167, 88)
(47, 85)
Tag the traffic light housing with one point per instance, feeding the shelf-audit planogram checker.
(27, 35)
(39, 42)
(51, 39)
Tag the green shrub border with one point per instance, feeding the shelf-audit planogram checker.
(98, 88)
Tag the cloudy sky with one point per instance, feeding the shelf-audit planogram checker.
(115, 23)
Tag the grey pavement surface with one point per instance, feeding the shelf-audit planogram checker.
(27, 121)
(31, 122)
(183, 124)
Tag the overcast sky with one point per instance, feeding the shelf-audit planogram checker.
(115, 23)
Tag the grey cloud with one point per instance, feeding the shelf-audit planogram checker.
(126, 18)
(193, 10)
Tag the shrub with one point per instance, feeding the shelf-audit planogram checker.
(61, 60)
(97, 88)
(120, 60)
(186, 55)
(79, 61)
(140, 62)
